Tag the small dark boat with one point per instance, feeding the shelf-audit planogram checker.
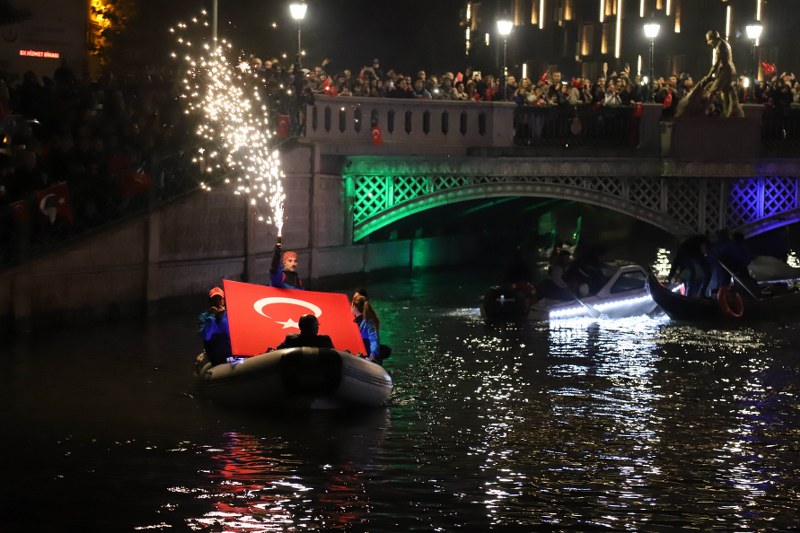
(508, 302)
(731, 304)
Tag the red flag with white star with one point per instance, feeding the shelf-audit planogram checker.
(260, 317)
(283, 126)
(56, 196)
(377, 137)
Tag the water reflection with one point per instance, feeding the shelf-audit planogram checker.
(274, 483)
(640, 424)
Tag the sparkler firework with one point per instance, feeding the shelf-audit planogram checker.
(234, 122)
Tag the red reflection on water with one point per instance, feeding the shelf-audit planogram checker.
(260, 485)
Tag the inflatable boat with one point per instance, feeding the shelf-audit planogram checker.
(303, 378)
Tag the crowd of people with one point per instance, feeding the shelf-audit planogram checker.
(97, 148)
(610, 88)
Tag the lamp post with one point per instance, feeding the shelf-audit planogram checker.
(504, 29)
(753, 31)
(298, 11)
(651, 30)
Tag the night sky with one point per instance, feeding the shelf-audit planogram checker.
(406, 35)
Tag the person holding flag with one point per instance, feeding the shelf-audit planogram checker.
(283, 274)
(214, 329)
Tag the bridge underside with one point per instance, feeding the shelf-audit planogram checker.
(381, 193)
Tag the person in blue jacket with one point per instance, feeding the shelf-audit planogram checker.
(283, 274)
(369, 325)
(213, 328)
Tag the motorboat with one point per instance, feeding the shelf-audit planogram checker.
(730, 304)
(623, 294)
(302, 378)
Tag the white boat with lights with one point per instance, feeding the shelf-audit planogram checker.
(624, 294)
(302, 378)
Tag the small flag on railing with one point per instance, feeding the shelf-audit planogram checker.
(283, 126)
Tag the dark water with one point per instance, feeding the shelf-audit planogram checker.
(633, 425)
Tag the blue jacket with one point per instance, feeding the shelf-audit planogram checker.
(285, 280)
(369, 334)
(216, 336)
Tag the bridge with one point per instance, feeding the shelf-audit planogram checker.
(687, 176)
(364, 164)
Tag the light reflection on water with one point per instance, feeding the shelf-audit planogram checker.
(634, 424)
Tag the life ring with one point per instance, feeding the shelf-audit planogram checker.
(735, 311)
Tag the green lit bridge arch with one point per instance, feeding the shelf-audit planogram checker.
(383, 190)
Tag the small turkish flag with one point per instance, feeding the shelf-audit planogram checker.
(20, 210)
(260, 317)
(283, 126)
(135, 183)
(56, 196)
(377, 138)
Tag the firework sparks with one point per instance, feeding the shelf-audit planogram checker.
(234, 122)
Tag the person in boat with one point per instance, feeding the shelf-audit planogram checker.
(368, 325)
(308, 336)
(518, 271)
(555, 286)
(518, 274)
(691, 264)
(730, 260)
(283, 271)
(585, 273)
(214, 330)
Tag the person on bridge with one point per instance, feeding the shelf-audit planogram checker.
(214, 330)
(283, 274)
(308, 336)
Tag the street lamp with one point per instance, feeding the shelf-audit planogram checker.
(651, 30)
(753, 31)
(504, 29)
(298, 11)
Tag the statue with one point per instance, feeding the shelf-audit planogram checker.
(718, 82)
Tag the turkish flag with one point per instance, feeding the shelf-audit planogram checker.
(135, 183)
(57, 195)
(20, 211)
(377, 138)
(260, 317)
(283, 126)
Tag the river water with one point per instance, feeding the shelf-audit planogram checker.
(639, 424)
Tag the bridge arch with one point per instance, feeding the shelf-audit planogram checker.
(680, 200)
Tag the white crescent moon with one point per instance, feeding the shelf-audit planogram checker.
(43, 201)
(259, 305)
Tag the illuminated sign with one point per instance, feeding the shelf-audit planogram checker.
(39, 53)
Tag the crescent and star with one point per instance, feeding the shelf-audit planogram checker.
(259, 306)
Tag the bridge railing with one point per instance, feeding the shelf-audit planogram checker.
(577, 125)
(429, 124)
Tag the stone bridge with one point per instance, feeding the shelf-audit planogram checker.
(693, 175)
